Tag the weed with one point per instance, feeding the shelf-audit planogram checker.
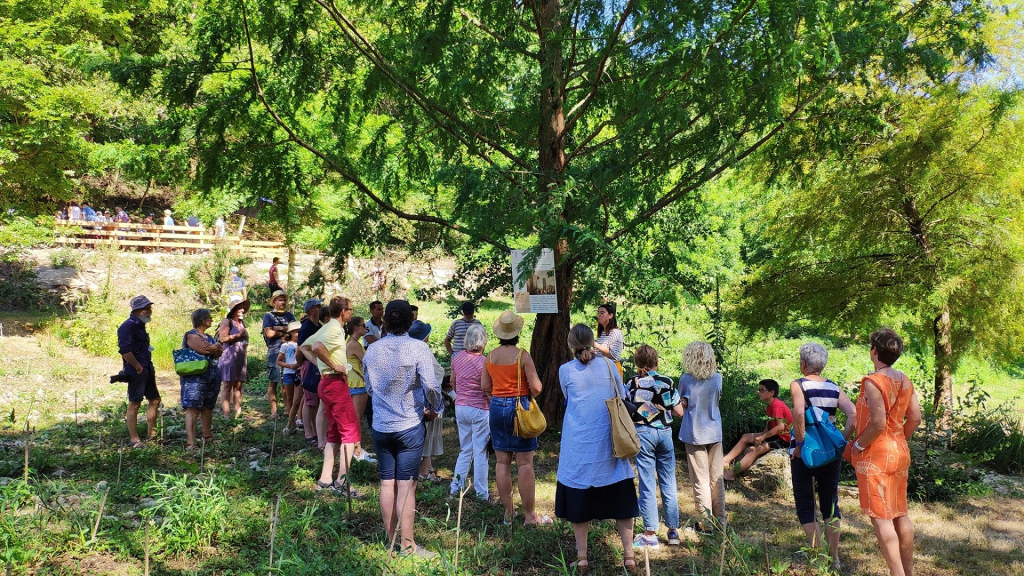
(66, 258)
(193, 512)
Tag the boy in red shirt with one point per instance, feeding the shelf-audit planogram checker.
(776, 432)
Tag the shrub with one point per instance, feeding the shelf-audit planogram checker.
(192, 511)
(742, 411)
(208, 275)
(936, 476)
(18, 287)
(994, 437)
(94, 325)
(20, 232)
(66, 258)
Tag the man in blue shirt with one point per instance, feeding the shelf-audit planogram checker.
(275, 324)
(137, 355)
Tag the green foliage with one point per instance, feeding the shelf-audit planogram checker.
(66, 258)
(93, 326)
(937, 476)
(923, 220)
(209, 275)
(18, 287)
(990, 436)
(193, 511)
(21, 232)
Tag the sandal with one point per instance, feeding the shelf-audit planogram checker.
(580, 566)
(311, 441)
(136, 444)
(191, 447)
(508, 520)
(629, 565)
(324, 485)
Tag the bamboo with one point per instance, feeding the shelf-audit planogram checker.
(76, 408)
(28, 447)
(120, 458)
(458, 524)
(146, 570)
(345, 485)
(647, 562)
(99, 516)
(273, 533)
(273, 441)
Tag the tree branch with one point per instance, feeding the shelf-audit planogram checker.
(581, 107)
(348, 176)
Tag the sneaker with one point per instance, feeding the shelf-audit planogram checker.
(673, 537)
(365, 457)
(298, 422)
(644, 541)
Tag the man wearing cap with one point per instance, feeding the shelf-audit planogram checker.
(275, 323)
(137, 355)
(328, 345)
(454, 342)
(309, 374)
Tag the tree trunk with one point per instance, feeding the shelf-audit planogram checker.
(943, 405)
(550, 347)
(550, 344)
(291, 267)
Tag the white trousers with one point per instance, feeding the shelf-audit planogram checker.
(474, 430)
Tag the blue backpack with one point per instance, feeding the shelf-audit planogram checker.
(823, 442)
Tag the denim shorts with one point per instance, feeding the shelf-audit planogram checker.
(503, 416)
(141, 385)
(199, 394)
(273, 370)
(399, 453)
(289, 379)
(357, 391)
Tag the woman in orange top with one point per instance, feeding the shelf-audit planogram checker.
(888, 413)
(510, 376)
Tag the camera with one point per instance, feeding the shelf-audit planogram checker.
(120, 377)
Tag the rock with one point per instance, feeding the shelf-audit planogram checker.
(59, 474)
(148, 502)
(5, 481)
(130, 514)
(101, 485)
(771, 473)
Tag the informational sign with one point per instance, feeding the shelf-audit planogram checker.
(535, 293)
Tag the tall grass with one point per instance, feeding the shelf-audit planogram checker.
(193, 511)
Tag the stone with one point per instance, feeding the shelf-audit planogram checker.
(771, 473)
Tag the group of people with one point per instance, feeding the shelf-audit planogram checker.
(84, 212)
(382, 369)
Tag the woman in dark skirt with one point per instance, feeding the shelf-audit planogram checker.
(592, 483)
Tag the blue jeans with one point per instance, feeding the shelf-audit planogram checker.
(657, 455)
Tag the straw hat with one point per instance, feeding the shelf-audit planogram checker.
(508, 325)
(276, 294)
(292, 326)
(235, 303)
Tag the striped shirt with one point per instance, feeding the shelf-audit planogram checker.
(823, 395)
(467, 368)
(613, 340)
(457, 334)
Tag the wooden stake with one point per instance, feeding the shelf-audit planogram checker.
(146, 572)
(273, 532)
(120, 458)
(273, 441)
(28, 447)
(202, 455)
(99, 516)
(345, 484)
(647, 562)
(458, 524)
(76, 408)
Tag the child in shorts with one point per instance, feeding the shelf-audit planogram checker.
(289, 374)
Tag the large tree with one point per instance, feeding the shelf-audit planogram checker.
(926, 218)
(587, 127)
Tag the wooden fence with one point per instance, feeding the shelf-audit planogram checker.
(159, 237)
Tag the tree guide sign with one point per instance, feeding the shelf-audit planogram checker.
(535, 292)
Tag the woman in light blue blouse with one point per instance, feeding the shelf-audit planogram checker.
(592, 483)
(701, 432)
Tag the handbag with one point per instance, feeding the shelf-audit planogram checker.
(625, 441)
(188, 362)
(529, 422)
(823, 442)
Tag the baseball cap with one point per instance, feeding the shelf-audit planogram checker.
(310, 303)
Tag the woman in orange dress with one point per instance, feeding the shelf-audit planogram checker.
(888, 413)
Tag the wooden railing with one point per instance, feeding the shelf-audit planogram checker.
(158, 237)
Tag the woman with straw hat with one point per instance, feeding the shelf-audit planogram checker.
(510, 376)
(235, 338)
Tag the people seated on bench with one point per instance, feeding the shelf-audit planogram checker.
(776, 432)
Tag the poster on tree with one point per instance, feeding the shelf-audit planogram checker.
(535, 293)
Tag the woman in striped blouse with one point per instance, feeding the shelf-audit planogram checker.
(609, 337)
(814, 390)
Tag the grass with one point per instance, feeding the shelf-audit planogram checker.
(215, 516)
